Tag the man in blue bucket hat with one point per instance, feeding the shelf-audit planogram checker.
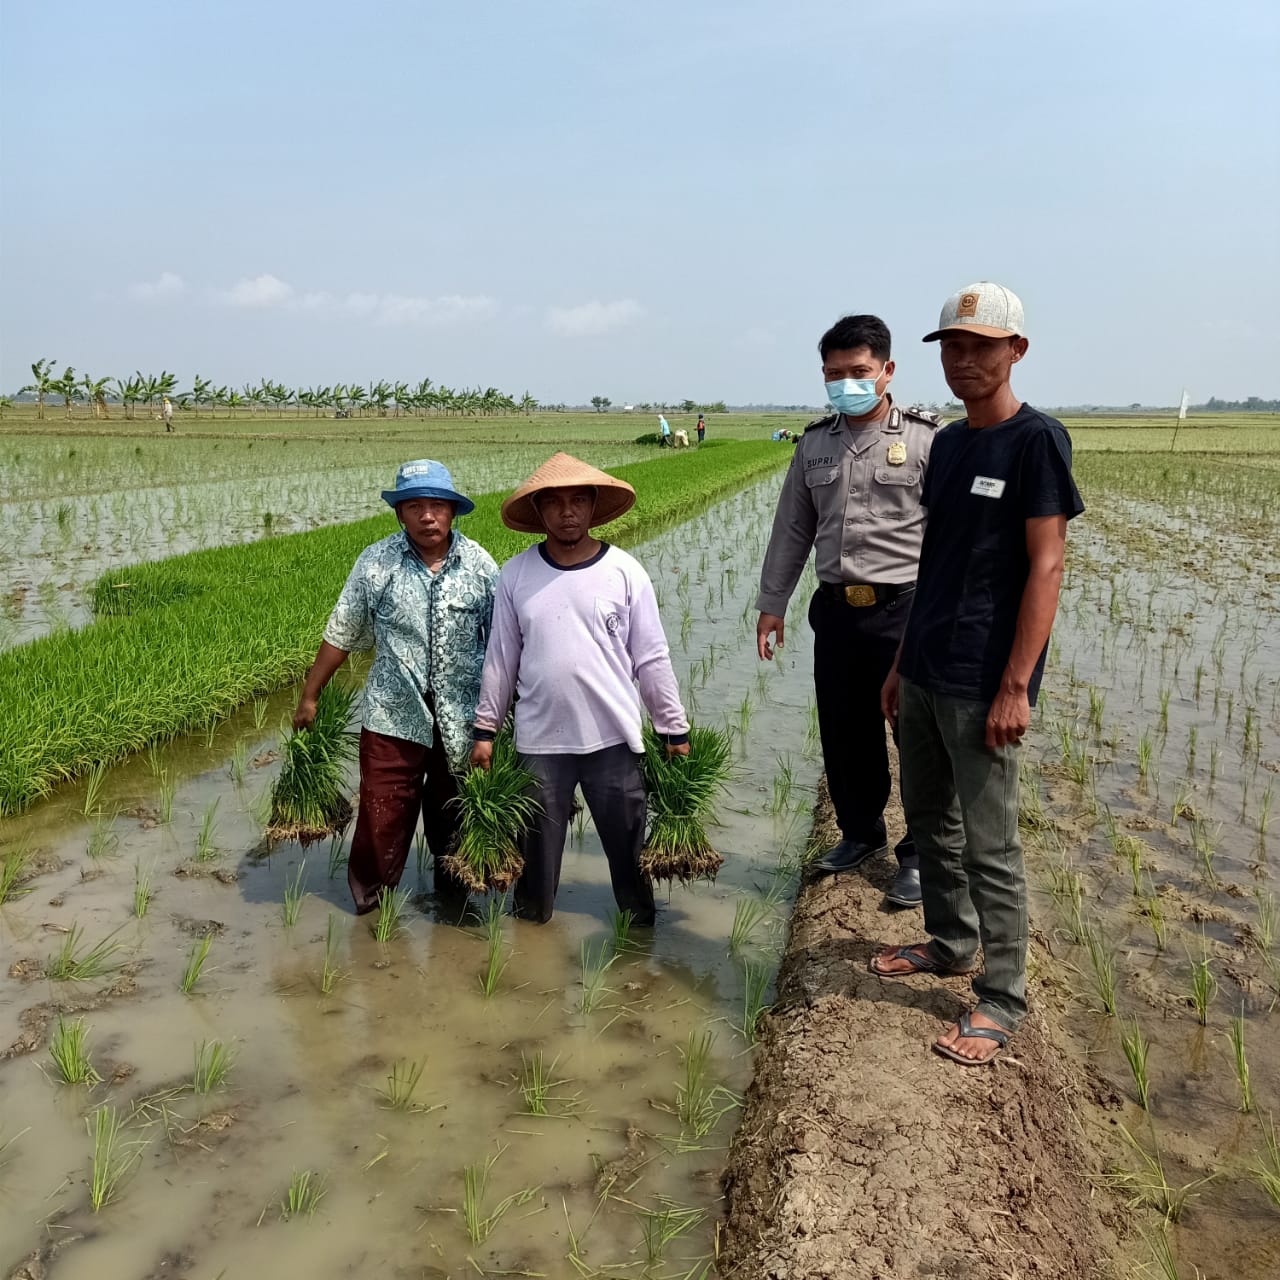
(423, 599)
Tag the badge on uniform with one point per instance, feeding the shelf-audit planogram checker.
(897, 454)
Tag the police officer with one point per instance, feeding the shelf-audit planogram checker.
(853, 492)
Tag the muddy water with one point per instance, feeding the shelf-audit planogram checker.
(204, 1200)
(1168, 634)
(56, 546)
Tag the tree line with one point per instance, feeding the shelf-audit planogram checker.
(602, 404)
(354, 399)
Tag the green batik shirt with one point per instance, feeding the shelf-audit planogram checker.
(429, 631)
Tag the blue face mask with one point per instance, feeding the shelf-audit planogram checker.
(854, 396)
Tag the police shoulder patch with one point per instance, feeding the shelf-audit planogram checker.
(930, 417)
(828, 421)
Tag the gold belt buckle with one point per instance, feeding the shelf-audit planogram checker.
(860, 596)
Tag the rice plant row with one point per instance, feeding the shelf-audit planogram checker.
(179, 644)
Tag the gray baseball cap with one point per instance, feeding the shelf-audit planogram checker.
(984, 308)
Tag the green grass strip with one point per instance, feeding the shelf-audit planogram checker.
(179, 644)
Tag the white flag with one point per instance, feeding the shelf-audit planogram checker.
(1182, 408)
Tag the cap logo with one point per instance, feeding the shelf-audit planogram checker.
(968, 305)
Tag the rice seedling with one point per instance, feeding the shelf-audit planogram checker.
(475, 1187)
(402, 1082)
(309, 800)
(113, 1158)
(1136, 1047)
(1215, 758)
(295, 888)
(239, 761)
(661, 1225)
(13, 867)
(1235, 1029)
(682, 794)
(306, 1189)
(338, 855)
(538, 1080)
(1162, 1255)
(206, 848)
(103, 842)
(1144, 754)
(620, 932)
(1204, 842)
(1149, 1183)
(198, 954)
(594, 963)
(421, 853)
(1204, 986)
(213, 1063)
(330, 973)
(259, 713)
(142, 890)
(1153, 908)
(1097, 708)
(168, 789)
(744, 718)
(1165, 694)
(70, 1053)
(497, 956)
(1266, 1168)
(1102, 963)
(1265, 929)
(72, 964)
(748, 915)
(495, 810)
(389, 921)
(93, 789)
(1264, 810)
(700, 1103)
(754, 1006)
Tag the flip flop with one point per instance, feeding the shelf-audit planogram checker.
(920, 964)
(969, 1031)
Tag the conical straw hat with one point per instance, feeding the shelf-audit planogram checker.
(562, 471)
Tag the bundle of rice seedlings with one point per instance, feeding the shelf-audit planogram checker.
(496, 809)
(309, 801)
(682, 793)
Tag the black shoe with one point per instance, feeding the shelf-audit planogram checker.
(905, 889)
(847, 855)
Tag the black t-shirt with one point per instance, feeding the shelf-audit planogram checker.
(982, 486)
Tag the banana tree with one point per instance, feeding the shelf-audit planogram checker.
(527, 405)
(356, 397)
(43, 384)
(379, 396)
(68, 387)
(201, 392)
(95, 390)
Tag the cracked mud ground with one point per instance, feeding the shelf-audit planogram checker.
(862, 1155)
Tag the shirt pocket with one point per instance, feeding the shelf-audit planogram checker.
(895, 492)
(610, 623)
(817, 477)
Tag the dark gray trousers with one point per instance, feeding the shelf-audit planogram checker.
(961, 799)
(613, 787)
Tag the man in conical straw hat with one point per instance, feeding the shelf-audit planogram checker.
(578, 643)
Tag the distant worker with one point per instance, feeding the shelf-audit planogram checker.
(702, 428)
(422, 599)
(853, 493)
(680, 440)
(999, 494)
(166, 412)
(578, 646)
(664, 432)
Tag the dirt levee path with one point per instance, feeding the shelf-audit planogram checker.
(862, 1154)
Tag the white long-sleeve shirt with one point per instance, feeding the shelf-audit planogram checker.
(581, 647)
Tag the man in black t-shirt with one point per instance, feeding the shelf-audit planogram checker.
(999, 494)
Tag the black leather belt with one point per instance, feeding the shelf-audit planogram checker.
(864, 594)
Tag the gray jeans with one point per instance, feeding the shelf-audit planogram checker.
(961, 801)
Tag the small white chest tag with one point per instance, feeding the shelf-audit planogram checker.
(986, 487)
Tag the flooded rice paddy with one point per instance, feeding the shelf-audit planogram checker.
(620, 1176)
(1151, 793)
(73, 507)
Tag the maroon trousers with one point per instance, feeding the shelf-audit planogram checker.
(398, 780)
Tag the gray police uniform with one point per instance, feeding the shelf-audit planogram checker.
(853, 495)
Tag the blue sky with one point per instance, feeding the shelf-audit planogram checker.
(641, 201)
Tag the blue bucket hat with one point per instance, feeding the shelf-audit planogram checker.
(426, 479)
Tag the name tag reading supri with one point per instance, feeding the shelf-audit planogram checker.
(986, 487)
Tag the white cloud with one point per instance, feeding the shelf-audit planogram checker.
(258, 291)
(592, 318)
(169, 285)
